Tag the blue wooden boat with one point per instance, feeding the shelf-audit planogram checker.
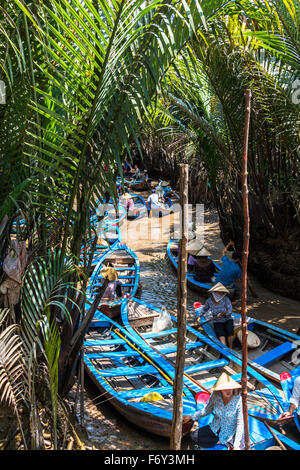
(127, 265)
(200, 287)
(276, 352)
(124, 375)
(287, 383)
(108, 216)
(139, 210)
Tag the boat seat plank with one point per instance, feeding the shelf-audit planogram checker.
(159, 333)
(142, 391)
(112, 354)
(275, 353)
(188, 346)
(206, 366)
(128, 371)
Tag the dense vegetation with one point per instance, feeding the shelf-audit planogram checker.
(90, 82)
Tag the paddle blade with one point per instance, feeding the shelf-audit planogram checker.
(202, 397)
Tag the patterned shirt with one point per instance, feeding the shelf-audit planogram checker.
(295, 398)
(228, 421)
(224, 306)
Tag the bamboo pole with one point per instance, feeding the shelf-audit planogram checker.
(81, 388)
(176, 431)
(246, 236)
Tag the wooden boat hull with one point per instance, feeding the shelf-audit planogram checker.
(154, 417)
(200, 287)
(126, 263)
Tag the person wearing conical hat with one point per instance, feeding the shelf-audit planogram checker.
(220, 308)
(227, 427)
(199, 262)
(114, 287)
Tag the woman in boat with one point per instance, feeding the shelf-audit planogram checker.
(294, 400)
(227, 427)
(114, 287)
(220, 307)
(200, 264)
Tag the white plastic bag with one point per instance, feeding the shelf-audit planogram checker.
(163, 322)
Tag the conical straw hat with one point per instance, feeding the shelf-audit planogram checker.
(164, 183)
(127, 196)
(253, 340)
(219, 288)
(109, 273)
(225, 382)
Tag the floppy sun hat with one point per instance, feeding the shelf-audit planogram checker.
(109, 273)
(225, 382)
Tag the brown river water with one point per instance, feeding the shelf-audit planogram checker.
(105, 428)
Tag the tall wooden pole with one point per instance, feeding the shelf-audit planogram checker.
(176, 432)
(246, 236)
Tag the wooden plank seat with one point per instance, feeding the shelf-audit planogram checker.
(104, 342)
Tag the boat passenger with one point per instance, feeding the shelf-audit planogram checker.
(114, 287)
(227, 426)
(220, 307)
(294, 400)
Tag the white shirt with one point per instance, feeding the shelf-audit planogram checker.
(295, 398)
(153, 199)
